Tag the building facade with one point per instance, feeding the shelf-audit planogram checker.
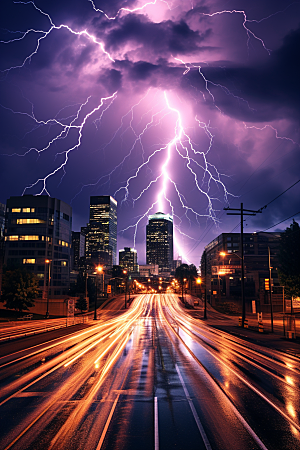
(38, 237)
(78, 249)
(128, 259)
(2, 219)
(101, 232)
(222, 263)
(148, 270)
(2, 226)
(159, 241)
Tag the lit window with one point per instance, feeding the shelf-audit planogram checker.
(63, 263)
(29, 221)
(40, 275)
(29, 238)
(12, 238)
(16, 210)
(28, 261)
(26, 210)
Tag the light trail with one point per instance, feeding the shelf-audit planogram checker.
(227, 364)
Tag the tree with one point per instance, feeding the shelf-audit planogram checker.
(186, 272)
(81, 304)
(19, 289)
(289, 260)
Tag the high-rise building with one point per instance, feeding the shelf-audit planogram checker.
(78, 248)
(128, 259)
(2, 219)
(159, 241)
(101, 231)
(38, 237)
(2, 226)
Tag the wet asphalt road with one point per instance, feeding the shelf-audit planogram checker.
(151, 377)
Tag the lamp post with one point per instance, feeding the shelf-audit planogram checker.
(48, 261)
(270, 284)
(198, 282)
(86, 289)
(205, 286)
(125, 273)
(183, 285)
(242, 280)
(99, 269)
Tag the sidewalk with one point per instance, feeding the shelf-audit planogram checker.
(270, 340)
(230, 324)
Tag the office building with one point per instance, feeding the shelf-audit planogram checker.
(2, 219)
(2, 226)
(38, 237)
(78, 249)
(159, 241)
(101, 232)
(223, 269)
(148, 270)
(128, 259)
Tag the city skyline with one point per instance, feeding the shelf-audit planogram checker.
(175, 107)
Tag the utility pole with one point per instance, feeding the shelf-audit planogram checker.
(270, 284)
(242, 212)
(205, 298)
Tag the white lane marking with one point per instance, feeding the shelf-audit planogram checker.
(196, 417)
(247, 383)
(156, 439)
(248, 428)
(239, 416)
(107, 423)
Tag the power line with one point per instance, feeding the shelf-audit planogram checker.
(282, 221)
(279, 195)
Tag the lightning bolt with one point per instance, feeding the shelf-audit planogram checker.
(127, 10)
(182, 144)
(245, 21)
(195, 163)
(284, 138)
(46, 33)
(65, 153)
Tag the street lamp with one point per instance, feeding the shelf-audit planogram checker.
(99, 269)
(183, 285)
(125, 273)
(48, 261)
(198, 282)
(205, 287)
(242, 281)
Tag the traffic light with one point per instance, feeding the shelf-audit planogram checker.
(267, 284)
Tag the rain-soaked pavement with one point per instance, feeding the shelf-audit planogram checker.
(152, 377)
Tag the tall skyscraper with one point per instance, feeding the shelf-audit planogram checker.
(2, 226)
(2, 219)
(78, 248)
(159, 241)
(128, 259)
(38, 237)
(101, 231)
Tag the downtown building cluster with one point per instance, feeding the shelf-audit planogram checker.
(36, 234)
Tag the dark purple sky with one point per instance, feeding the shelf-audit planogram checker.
(180, 106)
